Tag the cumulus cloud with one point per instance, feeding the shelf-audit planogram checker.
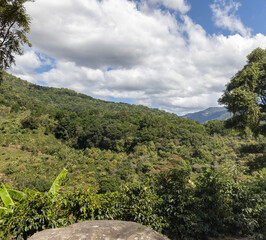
(28, 60)
(114, 48)
(67, 74)
(224, 14)
(178, 5)
(25, 65)
(97, 34)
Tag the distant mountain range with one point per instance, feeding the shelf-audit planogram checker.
(212, 113)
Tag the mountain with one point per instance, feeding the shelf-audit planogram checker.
(102, 144)
(212, 113)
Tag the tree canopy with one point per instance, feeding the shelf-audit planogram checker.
(14, 26)
(245, 94)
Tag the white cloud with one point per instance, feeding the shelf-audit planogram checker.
(224, 14)
(25, 64)
(28, 60)
(179, 5)
(113, 48)
(67, 74)
(100, 34)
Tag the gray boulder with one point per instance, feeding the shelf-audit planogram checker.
(100, 230)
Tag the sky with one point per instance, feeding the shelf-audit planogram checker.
(175, 55)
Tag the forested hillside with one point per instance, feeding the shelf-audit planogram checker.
(174, 168)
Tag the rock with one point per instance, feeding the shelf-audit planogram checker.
(100, 230)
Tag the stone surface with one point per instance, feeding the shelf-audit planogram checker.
(100, 230)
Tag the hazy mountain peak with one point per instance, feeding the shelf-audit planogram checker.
(211, 113)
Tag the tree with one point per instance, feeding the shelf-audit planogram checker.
(14, 26)
(245, 94)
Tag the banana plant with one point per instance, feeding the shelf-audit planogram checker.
(5, 195)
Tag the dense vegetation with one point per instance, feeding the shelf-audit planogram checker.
(245, 94)
(184, 179)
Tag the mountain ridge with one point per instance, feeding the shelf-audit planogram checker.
(63, 97)
(211, 113)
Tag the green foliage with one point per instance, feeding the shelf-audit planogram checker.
(107, 184)
(216, 127)
(4, 194)
(139, 203)
(177, 208)
(34, 214)
(14, 26)
(8, 203)
(30, 122)
(41, 211)
(116, 144)
(111, 150)
(210, 206)
(227, 207)
(245, 94)
(58, 182)
(17, 195)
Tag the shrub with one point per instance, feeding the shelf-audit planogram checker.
(30, 122)
(43, 210)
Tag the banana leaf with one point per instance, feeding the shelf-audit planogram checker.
(29, 192)
(58, 182)
(7, 200)
(17, 195)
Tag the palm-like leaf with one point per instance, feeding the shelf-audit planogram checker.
(17, 195)
(7, 200)
(58, 182)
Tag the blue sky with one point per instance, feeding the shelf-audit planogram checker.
(174, 55)
(47, 63)
(251, 13)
